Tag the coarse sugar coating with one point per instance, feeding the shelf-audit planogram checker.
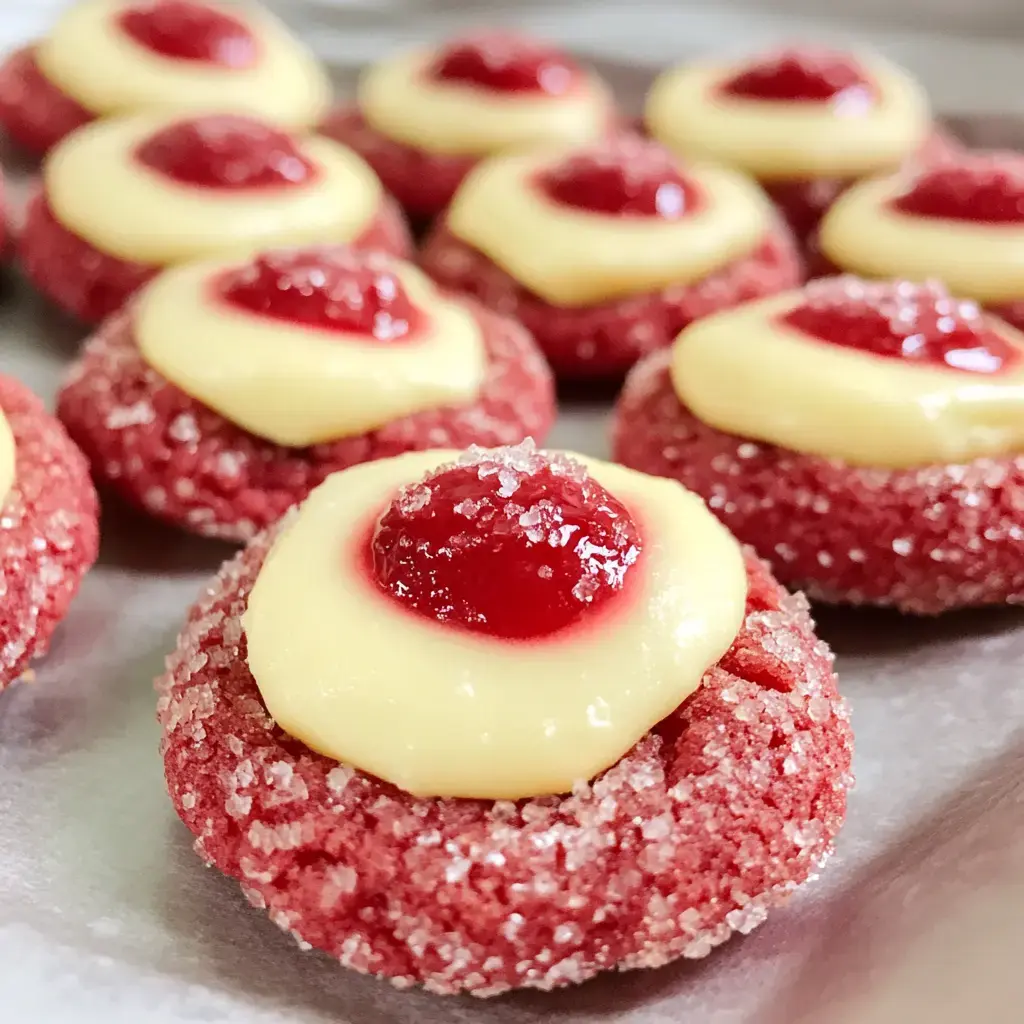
(422, 182)
(186, 464)
(34, 112)
(922, 540)
(91, 285)
(711, 819)
(49, 531)
(604, 340)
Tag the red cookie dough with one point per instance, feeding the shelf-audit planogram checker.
(34, 112)
(603, 341)
(424, 181)
(49, 530)
(714, 817)
(91, 284)
(188, 465)
(921, 540)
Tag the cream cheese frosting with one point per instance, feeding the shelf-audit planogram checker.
(439, 712)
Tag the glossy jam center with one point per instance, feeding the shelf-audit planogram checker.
(506, 63)
(189, 31)
(919, 323)
(633, 178)
(509, 543)
(225, 151)
(802, 76)
(330, 289)
(982, 190)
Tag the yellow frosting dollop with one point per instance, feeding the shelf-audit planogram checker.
(99, 191)
(399, 101)
(92, 60)
(439, 712)
(744, 372)
(572, 257)
(298, 385)
(775, 140)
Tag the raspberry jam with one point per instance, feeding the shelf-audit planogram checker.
(225, 151)
(920, 323)
(332, 289)
(986, 189)
(802, 76)
(188, 31)
(506, 63)
(510, 543)
(628, 178)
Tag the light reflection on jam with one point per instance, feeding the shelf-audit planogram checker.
(183, 30)
(226, 151)
(331, 288)
(918, 323)
(507, 63)
(804, 76)
(627, 177)
(509, 543)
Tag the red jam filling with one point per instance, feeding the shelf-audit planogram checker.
(188, 31)
(629, 178)
(506, 63)
(225, 151)
(509, 543)
(920, 323)
(330, 289)
(802, 76)
(983, 189)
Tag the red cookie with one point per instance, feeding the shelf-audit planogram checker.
(462, 101)
(131, 57)
(184, 176)
(805, 121)
(602, 339)
(714, 817)
(923, 539)
(970, 203)
(187, 464)
(33, 111)
(49, 528)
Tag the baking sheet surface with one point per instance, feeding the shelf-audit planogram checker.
(106, 914)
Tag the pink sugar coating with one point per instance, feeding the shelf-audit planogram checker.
(35, 112)
(91, 285)
(421, 181)
(49, 530)
(921, 540)
(186, 464)
(714, 817)
(604, 340)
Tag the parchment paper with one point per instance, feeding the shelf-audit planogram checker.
(107, 915)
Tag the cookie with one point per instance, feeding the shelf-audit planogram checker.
(866, 437)
(527, 842)
(606, 253)
(106, 57)
(229, 389)
(49, 526)
(424, 119)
